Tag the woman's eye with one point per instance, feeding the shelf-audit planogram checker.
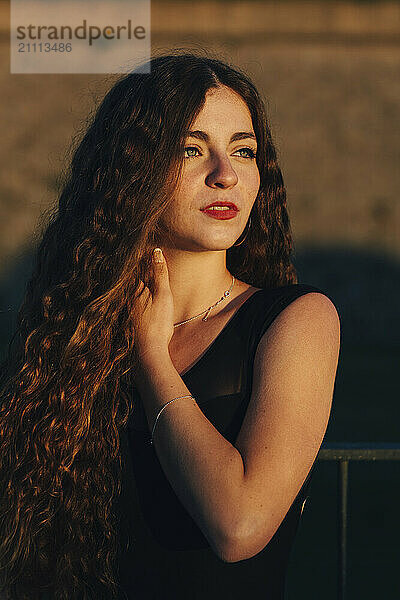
(190, 149)
(250, 152)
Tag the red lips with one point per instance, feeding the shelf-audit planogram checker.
(231, 205)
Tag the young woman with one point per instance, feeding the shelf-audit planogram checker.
(160, 417)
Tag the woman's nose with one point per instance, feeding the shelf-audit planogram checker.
(221, 174)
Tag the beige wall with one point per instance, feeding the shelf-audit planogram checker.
(329, 73)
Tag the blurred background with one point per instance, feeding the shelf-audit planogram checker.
(329, 73)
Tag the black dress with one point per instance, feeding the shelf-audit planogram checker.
(166, 555)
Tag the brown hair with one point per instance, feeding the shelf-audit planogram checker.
(62, 401)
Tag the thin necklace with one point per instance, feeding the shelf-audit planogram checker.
(207, 311)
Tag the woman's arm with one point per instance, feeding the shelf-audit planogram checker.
(239, 495)
(203, 468)
(288, 413)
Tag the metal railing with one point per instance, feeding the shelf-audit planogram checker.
(343, 452)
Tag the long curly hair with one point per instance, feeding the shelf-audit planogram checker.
(63, 405)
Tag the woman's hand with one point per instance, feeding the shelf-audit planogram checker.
(153, 325)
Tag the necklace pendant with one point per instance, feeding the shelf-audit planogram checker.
(226, 294)
(206, 315)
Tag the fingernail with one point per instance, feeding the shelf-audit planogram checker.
(158, 255)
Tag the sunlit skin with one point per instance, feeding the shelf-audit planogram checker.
(215, 168)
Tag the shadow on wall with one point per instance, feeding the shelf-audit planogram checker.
(365, 287)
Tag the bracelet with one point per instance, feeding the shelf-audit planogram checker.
(162, 408)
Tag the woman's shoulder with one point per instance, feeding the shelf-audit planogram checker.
(312, 295)
(289, 303)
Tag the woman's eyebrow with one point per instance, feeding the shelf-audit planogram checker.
(239, 135)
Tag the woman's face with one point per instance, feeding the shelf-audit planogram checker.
(219, 165)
